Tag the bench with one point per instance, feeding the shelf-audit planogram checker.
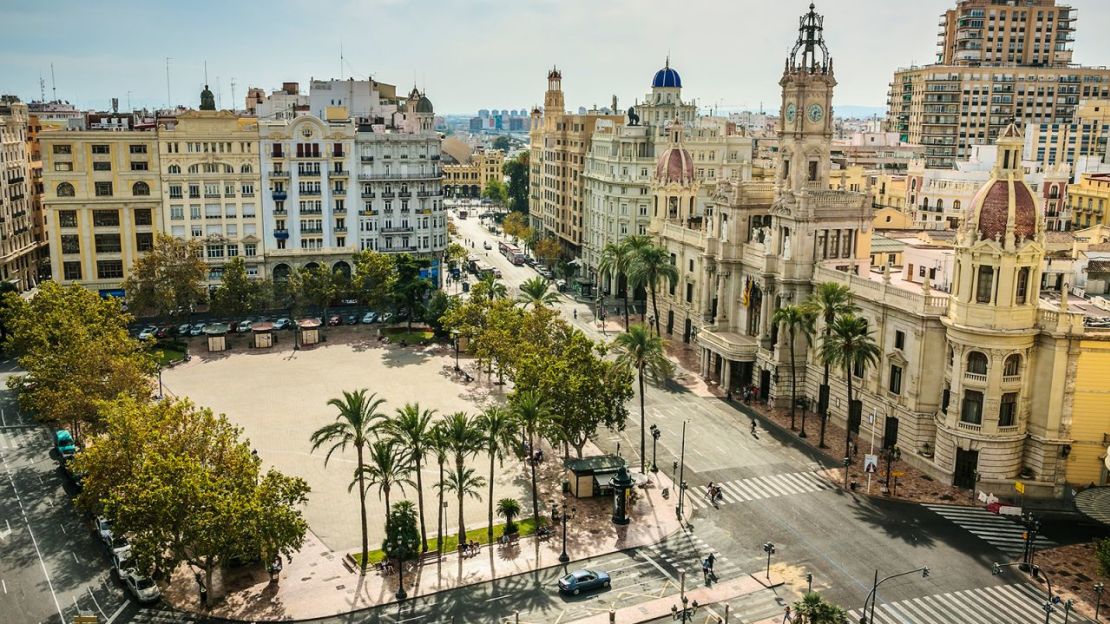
(509, 539)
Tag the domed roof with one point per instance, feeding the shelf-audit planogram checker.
(666, 77)
(424, 105)
(674, 165)
(992, 205)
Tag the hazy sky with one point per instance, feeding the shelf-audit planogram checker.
(468, 54)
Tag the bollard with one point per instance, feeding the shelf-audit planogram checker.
(726, 613)
(612, 616)
(516, 617)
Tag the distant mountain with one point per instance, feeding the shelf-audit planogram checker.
(859, 112)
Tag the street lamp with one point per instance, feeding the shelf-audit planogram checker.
(769, 548)
(847, 462)
(1032, 527)
(160, 395)
(560, 515)
(891, 454)
(873, 595)
(689, 608)
(803, 403)
(1035, 572)
(455, 337)
(1098, 598)
(403, 544)
(656, 433)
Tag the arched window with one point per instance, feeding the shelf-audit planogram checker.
(1054, 192)
(229, 169)
(984, 287)
(1012, 366)
(140, 189)
(977, 363)
(924, 203)
(955, 204)
(913, 184)
(245, 169)
(65, 189)
(194, 168)
(1022, 288)
(940, 205)
(175, 169)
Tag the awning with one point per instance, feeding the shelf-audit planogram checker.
(1095, 503)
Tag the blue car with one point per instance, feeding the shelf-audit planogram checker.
(63, 444)
(584, 580)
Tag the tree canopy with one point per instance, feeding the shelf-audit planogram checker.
(374, 278)
(169, 279)
(502, 143)
(517, 170)
(495, 190)
(238, 294)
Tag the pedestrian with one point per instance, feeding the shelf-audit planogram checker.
(728, 394)
(576, 314)
(753, 426)
(709, 491)
(709, 561)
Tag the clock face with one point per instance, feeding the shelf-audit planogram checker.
(816, 113)
(791, 112)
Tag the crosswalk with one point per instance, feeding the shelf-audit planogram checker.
(1000, 604)
(757, 488)
(1002, 532)
(685, 552)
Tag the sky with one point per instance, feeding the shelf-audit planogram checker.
(468, 54)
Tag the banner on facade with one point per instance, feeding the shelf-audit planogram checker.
(870, 463)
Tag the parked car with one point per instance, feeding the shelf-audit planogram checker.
(334, 320)
(197, 329)
(350, 319)
(184, 329)
(385, 317)
(120, 548)
(283, 323)
(64, 445)
(119, 564)
(142, 587)
(103, 529)
(369, 317)
(148, 332)
(487, 246)
(584, 580)
(163, 332)
(245, 325)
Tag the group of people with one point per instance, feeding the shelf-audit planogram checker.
(707, 566)
(713, 493)
(469, 549)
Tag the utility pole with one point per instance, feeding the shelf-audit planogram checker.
(169, 99)
(682, 472)
(233, 93)
(53, 84)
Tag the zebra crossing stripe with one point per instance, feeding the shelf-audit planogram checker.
(805, 484)
(1000, 604)
(736, 491)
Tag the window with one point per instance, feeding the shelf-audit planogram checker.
(108, 243)
(177, 213)
(144, 241)
(1022, 284)
(895, 379)
(106, 218)
(137, 149)
(1007, 410)
(945, 399)
(140, 189)
(813, 171)
(972, 410)
(71, 270)
(689, 292)
(977, 363)
(250, 250)
(102, 166)
(65, 189)
(139, 165)
(63, 166)
(71, 244)
(109, 269)
(175, 169)
(857, 369)
(142, 216)
(64, 149)
(899, 339)
(100, 149)
(67, 218)
(103, 189)
(984, 285)
(1012, 366)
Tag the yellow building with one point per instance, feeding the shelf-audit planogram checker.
(1085, 137)
(102, 199)
(469, 178)
(19, 248)
(211, 187)
(1090, 418)
(1089, 200)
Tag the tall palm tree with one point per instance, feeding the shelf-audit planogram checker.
(489, 288)
(354, 426)
(530, 410)
(651, 266)
(411, 427)
(812, 609)
(828, 301)
(463, 482)
(438, 445)
(498, 434)
(615, 258)
(643, 352)
(794, 318)
(388, 465)
(849, 344)
(537, 292)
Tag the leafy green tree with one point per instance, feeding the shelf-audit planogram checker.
(76, 352)
(401, 543)
(5, 288)
(374, 278)
(489, 288)
(184, 485)
(498, 429)
(456, 254)
(355, 425)
(464, 482)
(794, 318)
(651, 266)
(537, 291)
(436, 307)
(509, 509)
(547, 250)
(829, 300)
(317, 285)
(518, 171)
(502, 143)
(813, 609)
(387, 466)
(530, 410)
(238, 295)
(495, 191)
(169, 279)
(644, 353)
(411, 426)
(515, 224)
(849, 344)
(439, 446)
(410, 288)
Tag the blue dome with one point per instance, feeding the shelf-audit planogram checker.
(666, 77)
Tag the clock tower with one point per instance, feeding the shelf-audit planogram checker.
(805, 119)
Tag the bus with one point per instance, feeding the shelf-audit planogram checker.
(484, 271)
(462, 214)
(512, 253)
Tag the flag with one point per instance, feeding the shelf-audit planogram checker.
(746, 299)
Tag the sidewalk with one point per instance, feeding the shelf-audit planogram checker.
(661, 607)
(318, 582)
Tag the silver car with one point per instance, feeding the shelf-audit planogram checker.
(142, 587)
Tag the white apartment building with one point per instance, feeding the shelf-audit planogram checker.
(368, 99)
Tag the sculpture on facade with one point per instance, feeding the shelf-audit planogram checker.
(633, 118)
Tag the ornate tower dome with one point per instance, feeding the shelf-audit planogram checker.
(675, 165)
(666, 77)
(1005, 209)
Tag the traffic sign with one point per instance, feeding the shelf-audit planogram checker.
(1019, 486)
(898, 474)
(870, 463)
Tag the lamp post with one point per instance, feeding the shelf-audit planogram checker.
(682, 472)
(404, 545)
(1032, 527)
(1035, 572)
(1098, 598)
(455, 337)
(847, 462)
(803, 403)
(559, 515)
(873, 595)
(891, 454)
(769, 548)
(160, 395)
(686, 614)
(656, 433)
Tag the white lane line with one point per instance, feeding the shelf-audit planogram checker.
(496, 598)
(118, 611)
(96, 603)
(656, 565)
(75, 559)
(62, 526)
(4, 585)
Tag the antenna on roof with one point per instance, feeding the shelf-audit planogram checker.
(206, 74)
(233, 93)
(42, 87)
(169, 100)
(341, 60)
(53, 83)
(219, 105)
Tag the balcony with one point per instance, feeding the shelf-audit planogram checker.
(281, 234)
(405, 194)
(338, 154)
(277, 154)
(341, 173)
(339, 210)
(312, 230)
(340, 229)
(281, 212)
(369, 195)
(15, 180)
(214, 215)
(311, 211)
(211, 195)
(397, 230)
(368, 213)
(975, 378)
(280, 195)
(425, 193)
(1008, 380)
(309, 192)
(367, 159)
(279, 174)
(308, 173)
(387, 194)
(432, 175)
(972, 427)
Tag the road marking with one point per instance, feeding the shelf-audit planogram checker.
(75, 559)
(62, 526)
(35, 542)
(4, 585)
(118, 611)
(496, 598)
(657, 566)
(96, 603)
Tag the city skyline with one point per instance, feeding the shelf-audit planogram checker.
(599, 49)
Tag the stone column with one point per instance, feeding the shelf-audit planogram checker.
(722, 298)
(764, 311)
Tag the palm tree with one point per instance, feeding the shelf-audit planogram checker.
(849, 344)
(389, 465)
(615, 258)
(794, 318)
(498, 429)
(354, 426)
(411, 428)
(812, 609)
(490, 288)
(531, 412)
(463, 482)
(537, 291)
(643, 352)
(829, 300)
(464, 438)
(437, 444)
(509, 508)
(650, 266)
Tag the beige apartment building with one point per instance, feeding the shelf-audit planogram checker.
(103, 203)
(469, 178)
(20, 249)
(996, 62)
(1072, 143)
